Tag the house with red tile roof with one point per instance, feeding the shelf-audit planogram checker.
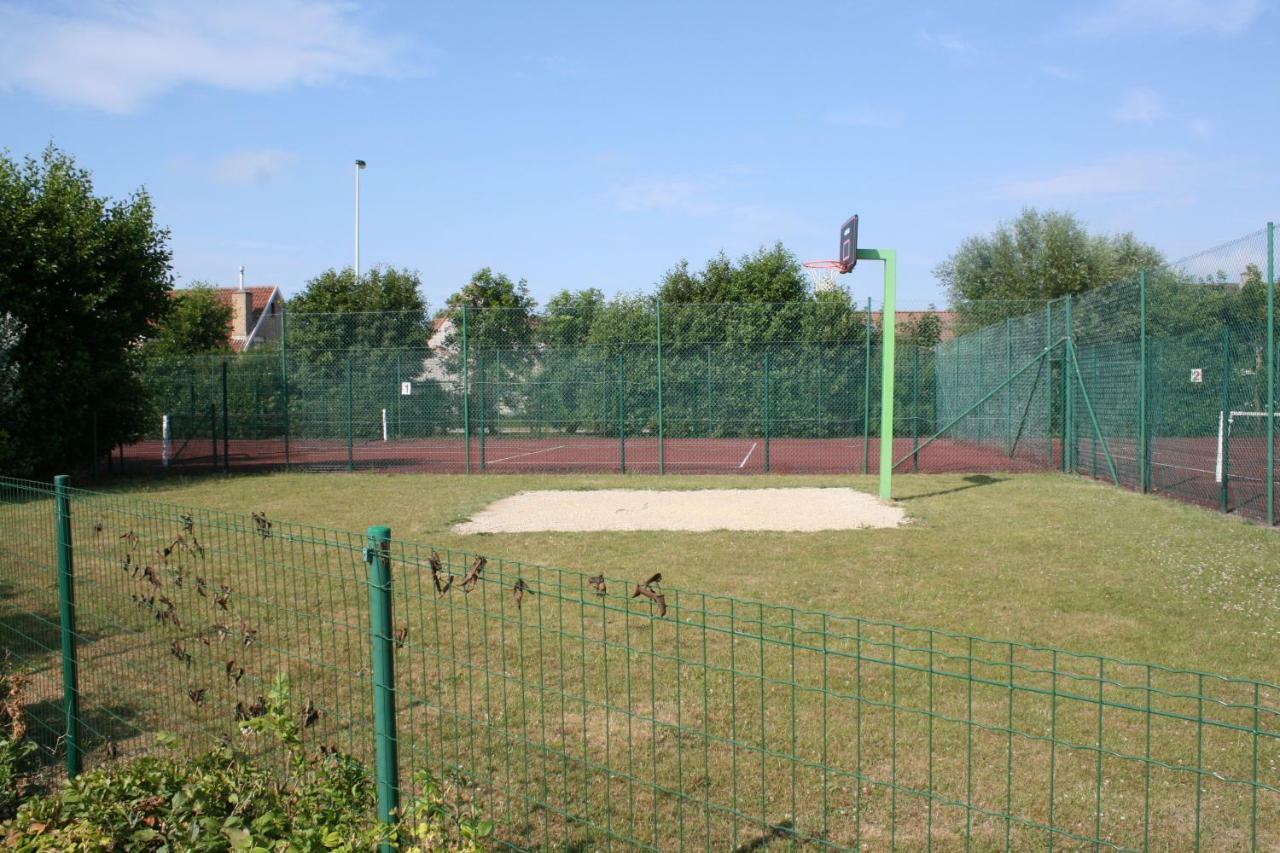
(255, 313)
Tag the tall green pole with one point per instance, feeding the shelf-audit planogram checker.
(866, 395)
(67, 625)
(466, 391)
(1144, 460)
(350, 434)
(662, 450)
(284, 383)
(386, 765)
(1271, 373)
(888, 335)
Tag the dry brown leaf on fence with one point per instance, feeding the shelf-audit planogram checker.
(473, 576)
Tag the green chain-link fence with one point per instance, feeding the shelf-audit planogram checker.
(1165, 383)
(579, 714)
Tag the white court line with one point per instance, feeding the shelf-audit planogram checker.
(530, 453)
(743, 463)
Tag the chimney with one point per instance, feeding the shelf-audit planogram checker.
(241, 313)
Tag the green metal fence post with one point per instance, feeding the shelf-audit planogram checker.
(866, 394)
(226, 422)
(1224, 488)
(982, 381)
(1068, 395)
(350, 433)
(1143, 451)
(387, 765)
(67, 625)
(915, 410)
(1008, 396)
(766, 411)
(284, 382)
(93, 465)
(466, 390)
(396, 391)
(662, 450)
(1271, 373)
(1048, 385)
(622, 411)
(213, 416)
(484, 407)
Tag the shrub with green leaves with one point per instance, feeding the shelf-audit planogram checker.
(226, 800)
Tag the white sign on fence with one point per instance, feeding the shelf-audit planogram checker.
(1197, 374)
(406, 389)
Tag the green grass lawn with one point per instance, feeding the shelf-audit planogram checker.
(1036, 558)
(583, 721)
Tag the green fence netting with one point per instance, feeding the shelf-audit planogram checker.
(579, 716)
(1162, 383)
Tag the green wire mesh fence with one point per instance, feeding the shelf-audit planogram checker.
(1166, 383)
(588, 712)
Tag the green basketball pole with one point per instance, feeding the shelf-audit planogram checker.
(889, 313)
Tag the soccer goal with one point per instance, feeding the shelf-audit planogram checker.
(1242, 441)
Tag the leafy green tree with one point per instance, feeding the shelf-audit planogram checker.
(195, 321)
(769, 275)
(1038, 256)
(499, 312)
(500, 339)
(334, 312)
(569, 317)
(924, 330)
(83, 279)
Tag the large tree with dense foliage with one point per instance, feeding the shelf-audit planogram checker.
(195, 321)
(83, 280)
(1039, 256)
(336, 311)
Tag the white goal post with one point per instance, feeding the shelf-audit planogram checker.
(165, 438)
(1227, 420)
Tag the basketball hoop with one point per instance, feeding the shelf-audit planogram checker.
(841, 266)
(822, 274)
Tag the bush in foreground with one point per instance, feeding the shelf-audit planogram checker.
(226, 800)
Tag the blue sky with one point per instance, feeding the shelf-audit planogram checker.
(595, 144)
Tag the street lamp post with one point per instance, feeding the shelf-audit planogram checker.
(360, 164)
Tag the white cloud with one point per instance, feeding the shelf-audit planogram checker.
(869, 118)
(952, 43)
(1061, 72)
(254, 166)
(1127, 17)
(1139, 105)
(1137, 173)
(666, 196)
(115, 56)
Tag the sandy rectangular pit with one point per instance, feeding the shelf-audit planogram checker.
(805, 509)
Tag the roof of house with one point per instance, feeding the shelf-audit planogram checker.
(261, 295)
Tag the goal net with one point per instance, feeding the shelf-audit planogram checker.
(1242, 444)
